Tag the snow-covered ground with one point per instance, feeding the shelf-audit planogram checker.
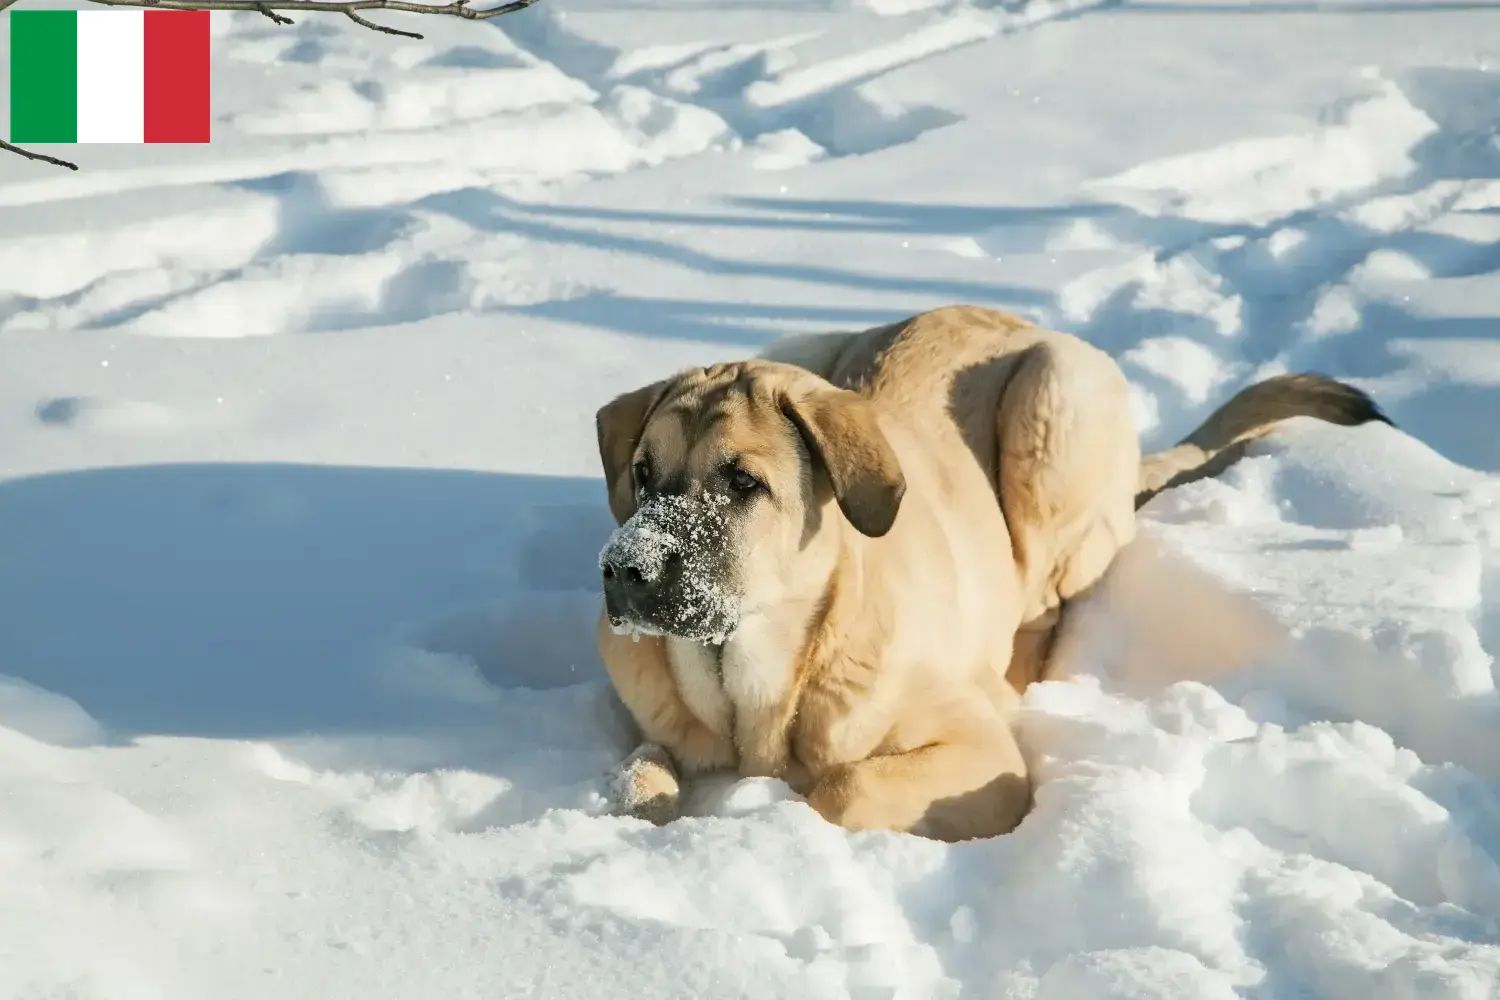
(299, 502)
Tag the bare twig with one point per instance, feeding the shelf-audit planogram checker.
(273, 15)
(380, 27)
(37, 156)
(454, 8)
(349, 8)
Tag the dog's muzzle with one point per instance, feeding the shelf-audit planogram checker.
(664, 571)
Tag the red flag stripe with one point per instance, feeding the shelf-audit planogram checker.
(177, 77)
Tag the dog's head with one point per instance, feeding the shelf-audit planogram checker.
(723, 481)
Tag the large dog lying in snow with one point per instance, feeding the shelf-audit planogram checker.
(841, 563)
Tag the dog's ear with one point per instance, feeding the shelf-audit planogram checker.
(619, 424)
(840, 429)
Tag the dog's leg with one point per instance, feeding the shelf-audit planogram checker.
(1069, 460)
(674, 741)
(646, 785)
(1032, 649)
(968, 783)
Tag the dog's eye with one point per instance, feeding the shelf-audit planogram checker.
(744, 483)
(642, 472)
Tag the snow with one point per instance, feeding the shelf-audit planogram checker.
(300, 505)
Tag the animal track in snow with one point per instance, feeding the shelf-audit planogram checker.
(1264, 253)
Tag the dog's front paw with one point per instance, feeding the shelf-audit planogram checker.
(646, 785)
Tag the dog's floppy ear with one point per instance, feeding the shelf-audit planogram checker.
(619, 424)
(840, 429)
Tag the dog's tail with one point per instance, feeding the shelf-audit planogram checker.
(1254, 411)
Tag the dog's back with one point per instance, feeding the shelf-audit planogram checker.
(817, 352)
(919, 353)
(968, 352)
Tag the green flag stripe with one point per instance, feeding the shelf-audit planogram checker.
(43, 76)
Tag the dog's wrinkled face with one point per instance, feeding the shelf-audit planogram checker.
(719, 479)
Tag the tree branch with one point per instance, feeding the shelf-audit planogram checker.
(36, 156)
(454, 8)
(349, 8)
(379, 27)
(273, 15)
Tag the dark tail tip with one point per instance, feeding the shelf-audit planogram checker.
(1333, 401)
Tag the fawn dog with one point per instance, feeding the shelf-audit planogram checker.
(841, 562)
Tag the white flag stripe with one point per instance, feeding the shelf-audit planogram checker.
(111, 76)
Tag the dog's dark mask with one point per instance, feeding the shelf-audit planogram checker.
(667, 570)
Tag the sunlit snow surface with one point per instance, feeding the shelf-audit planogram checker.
(300, 507)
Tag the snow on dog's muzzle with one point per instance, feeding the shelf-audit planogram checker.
(666, 571)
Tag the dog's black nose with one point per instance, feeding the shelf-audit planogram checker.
(636, 576)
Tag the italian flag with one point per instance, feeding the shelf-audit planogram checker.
(109, 76)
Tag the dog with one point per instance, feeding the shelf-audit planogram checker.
(841, 562)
